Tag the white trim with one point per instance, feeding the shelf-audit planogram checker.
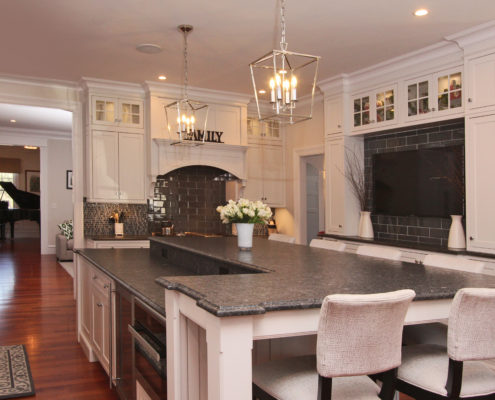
(105, 85)
(11, 139)
(59, 135)
(299, 191)
(173, 91)
(36, 81)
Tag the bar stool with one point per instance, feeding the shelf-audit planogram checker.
(358, 335)
(379, 251)
(327, 244)
(431, 371)
(279, 237)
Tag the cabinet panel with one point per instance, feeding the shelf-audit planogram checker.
(480, 190)
(105, 168)
(481, 79)
(254, 185)
(117, 112)
(101, 326)
(335, 165)
(85, 297)
(104, 110)
(130, 113)
(273, 176)
(374, 110)
(333, 116)
(131, 166)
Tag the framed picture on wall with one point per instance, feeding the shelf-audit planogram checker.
(32, 181)
(68, 179)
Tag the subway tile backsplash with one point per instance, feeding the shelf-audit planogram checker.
(434, 231)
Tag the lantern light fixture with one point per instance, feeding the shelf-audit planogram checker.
(186, 118)
(285, 77)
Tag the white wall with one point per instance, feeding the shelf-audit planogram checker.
(303, 135)
(30, 160)
(59, 199)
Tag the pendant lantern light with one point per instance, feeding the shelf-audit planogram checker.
(186, 118)
(281, 79)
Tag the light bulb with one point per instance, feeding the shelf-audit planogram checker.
(183, 118)
(193, 120)
(293, 92)
(272, 84)
(293, 82)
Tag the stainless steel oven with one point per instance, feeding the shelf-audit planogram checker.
(141, 348)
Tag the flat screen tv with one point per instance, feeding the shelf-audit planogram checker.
(422, 183)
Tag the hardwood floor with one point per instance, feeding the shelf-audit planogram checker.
(37, 309)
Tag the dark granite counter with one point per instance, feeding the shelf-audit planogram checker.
(134, 269)
(298, 277)
(408, 245)
(119, 238)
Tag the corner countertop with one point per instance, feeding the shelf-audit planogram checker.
(299, 277)
(119, 238)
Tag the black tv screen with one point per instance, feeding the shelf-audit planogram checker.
(423, 183)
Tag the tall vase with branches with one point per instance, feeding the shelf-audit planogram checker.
(360, 187)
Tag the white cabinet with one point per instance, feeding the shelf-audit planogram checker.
(118, 169)
(341, 207)
(94, 312)
(433, 96)
(265, 130)
(333, 115)
(266, 175)
(373, 110)
(481, 82)
(116, 112)
(480, 190)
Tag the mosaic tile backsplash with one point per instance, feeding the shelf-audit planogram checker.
(96, 217)
(434, 231)
(187, 198)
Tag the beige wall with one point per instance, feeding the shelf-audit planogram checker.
(299, 136)
(30, 160)
(59, 198)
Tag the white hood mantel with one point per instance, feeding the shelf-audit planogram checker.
(231, 158)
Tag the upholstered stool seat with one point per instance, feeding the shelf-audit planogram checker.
(298, 380)
(426, 366)
(279, 237)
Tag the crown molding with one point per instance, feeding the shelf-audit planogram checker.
(334, 85)
(477, 39)
(36, 81)
(106, 85)
(174, 91)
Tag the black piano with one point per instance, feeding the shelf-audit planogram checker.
(29, 208)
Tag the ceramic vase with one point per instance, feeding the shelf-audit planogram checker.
(119, 229)
(365, 225)
(457, 239)
(245, 236)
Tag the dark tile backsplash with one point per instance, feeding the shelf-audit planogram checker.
(96, 218)
(188, 198)
(433, 231)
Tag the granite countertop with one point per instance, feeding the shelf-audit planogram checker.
(134, 269)
(113, 237)
(299, 277)
(408, 245)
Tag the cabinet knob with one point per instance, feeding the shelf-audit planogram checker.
(340, 226)
(95, 277)
(471, 238)
(99, 304)
(470, 100)
(339, 126)
(105, 286)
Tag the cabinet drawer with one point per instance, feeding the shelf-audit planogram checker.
(101, 281)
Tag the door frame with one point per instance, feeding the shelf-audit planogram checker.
(299, 167)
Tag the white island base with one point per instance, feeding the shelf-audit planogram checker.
(210, 358)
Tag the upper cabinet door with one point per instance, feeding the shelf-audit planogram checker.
(333, 115)
(449, 92)
(104, 110)
(375, 109)
(130, 113)
(481, 79)
(131, 166)
(418, 99)
(105, 165)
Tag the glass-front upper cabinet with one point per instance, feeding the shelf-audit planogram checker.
(374, 110)
(263, 129)
(119, 112)
(433, 96)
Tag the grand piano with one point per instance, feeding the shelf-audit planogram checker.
(29, 208)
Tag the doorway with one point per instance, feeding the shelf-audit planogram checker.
(315, 204)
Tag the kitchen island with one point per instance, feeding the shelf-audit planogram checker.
(218, 300)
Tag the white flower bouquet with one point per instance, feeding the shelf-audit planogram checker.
(245, 212)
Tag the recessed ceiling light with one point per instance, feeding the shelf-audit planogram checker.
(421, 12)
(30, 147)
(148, 48)
(262, 91)
(13, 121)
(162, 77)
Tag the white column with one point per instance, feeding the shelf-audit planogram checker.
(229, 346)
(173, 345)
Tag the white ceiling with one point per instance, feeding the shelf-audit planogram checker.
(48, 120)
(69, 39)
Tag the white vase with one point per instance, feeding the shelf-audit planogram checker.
(457, 239)
(365, 225)
(245, 236)
(119, 229)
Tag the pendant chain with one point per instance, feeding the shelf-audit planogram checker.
(186, 71)
(283, 44)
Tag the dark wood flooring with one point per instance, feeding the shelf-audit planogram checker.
(37, 309)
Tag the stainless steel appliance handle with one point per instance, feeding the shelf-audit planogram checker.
(148, 309)
(143, 342)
